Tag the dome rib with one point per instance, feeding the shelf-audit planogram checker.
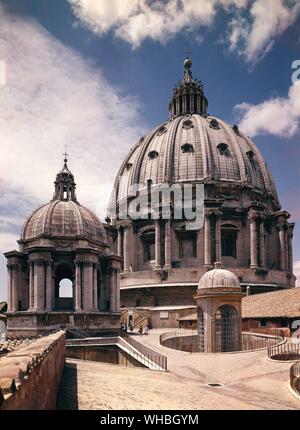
(145, 145)
(169, 159)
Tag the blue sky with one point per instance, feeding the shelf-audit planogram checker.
(97, 75)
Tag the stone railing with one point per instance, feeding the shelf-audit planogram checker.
(30, 375)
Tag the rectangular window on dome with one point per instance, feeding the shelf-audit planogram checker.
(149, 249)
(187, 246)
(229, 244)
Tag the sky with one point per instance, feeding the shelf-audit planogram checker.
(96, 75)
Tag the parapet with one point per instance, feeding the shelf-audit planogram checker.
(30, 375)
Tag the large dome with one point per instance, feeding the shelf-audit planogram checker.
(243, 228)
(195, 148)
(63, 219)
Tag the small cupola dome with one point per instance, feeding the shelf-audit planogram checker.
(219, 278)
(64, 217)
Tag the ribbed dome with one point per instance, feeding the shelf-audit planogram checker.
(65, 219)
(195, 148)
(219, 278)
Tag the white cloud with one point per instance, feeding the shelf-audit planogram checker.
(8, 241)
(253, 38)
(277, 116)
(53, 97)
(136, 20)
(252, 28)
(297, 272)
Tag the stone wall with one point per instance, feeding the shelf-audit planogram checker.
(112, 354)
(41, 323)
(182, 343)
(30, 375)
(273, 326)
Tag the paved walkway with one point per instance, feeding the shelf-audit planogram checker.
(249, 381)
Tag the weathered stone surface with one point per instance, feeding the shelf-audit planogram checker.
(37, 368)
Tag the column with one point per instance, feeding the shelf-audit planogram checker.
(157, 245)
(282, 246)
(119, 242)
(103, 282)
(88, 286)
(95, 284)
(9, 290)
(31, 285)
(207, 241)
(126, 249)
(253, 242)
(262, 247)
(78, 287)
(38, 285)
(14, 287)
(218, 238)
(290, 248)
(49, 285)
(287, 247)
(35, 286)
(168, 249)
(117, 289)
(114, 290)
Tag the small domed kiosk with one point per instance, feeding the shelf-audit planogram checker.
(219, 300)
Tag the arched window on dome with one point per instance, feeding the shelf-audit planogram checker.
(227, 329)
(65, 193)
(252, 159)
(229, 235)
(152, 155)
(223, 149)
(187, 147)
(65, 288)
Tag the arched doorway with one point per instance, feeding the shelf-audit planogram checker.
(64, 288)
(227, 329)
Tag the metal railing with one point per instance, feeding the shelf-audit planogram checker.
(250, 341)
(285, 352)
(178, 333)
(92, 341)
(154, 359)
(149, 358)
(295, 377)
(253, 341)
